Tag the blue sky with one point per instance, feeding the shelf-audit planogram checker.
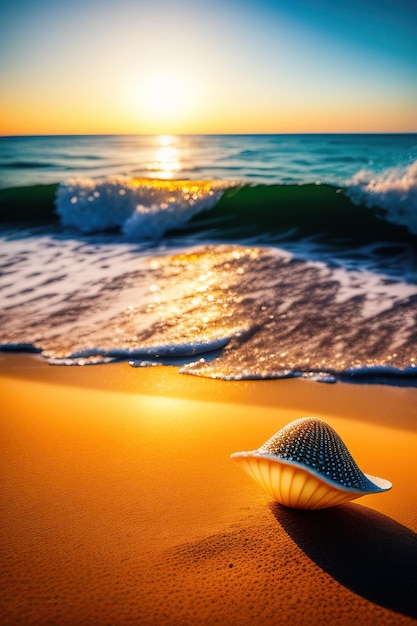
(182, 66)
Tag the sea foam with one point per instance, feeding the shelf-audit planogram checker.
(394, 191)
(142, 209)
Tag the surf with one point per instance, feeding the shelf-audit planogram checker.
(367, 210)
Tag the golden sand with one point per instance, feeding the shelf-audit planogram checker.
(120, 504)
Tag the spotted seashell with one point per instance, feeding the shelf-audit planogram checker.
(306, 465)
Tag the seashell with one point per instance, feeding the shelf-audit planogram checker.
(306, 465)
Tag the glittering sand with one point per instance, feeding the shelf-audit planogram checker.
(119, 504)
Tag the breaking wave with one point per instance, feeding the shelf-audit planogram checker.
(141, 209)
(394, 191)
(372, 208)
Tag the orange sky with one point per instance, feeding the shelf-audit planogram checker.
(89, 67)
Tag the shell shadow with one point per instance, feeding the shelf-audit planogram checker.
(367, 552)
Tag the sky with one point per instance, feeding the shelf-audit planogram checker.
(207, 66)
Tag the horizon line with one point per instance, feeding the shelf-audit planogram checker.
(211, 134)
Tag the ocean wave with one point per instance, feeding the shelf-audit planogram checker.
(26, 165)
(199, 358)
(146, 209)
(140, 208)
(298, 212)
(370, 211)
(394, 191)
(371, 375)
(222, 311)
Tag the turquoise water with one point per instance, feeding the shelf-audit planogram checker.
(281, 255)
(333, 159)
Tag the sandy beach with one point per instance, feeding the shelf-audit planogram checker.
(208, 231)
(120, 504)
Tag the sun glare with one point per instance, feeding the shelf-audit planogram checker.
(167, 159)
(165, 140)
(166, 97)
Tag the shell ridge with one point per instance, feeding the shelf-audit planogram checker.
(254, 471)
(257, 472)
(307, 503)
(261, 476)
(303, 489)
(316, 445)
(287, 473)
(307, 465)
(271, 481)
(329, 481)
(264, 469)
(291, 494)
(247, 466)
(332, 500)
(286, 481)
(296, 494)
(324, 494)
(279, 483)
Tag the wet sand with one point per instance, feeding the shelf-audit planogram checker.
(120, 504)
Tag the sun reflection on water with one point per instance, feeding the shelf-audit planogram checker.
(167, 158)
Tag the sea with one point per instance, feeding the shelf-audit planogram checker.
(233, 256)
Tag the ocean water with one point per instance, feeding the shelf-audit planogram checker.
(233, 257)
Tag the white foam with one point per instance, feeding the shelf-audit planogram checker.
(268, 313)
(94, 205)
(374, 370)
(164, 350)
(142, 210)
(154, 221)
(394, 190)
(378, 293)
(44, 271)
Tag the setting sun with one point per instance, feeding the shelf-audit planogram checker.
(166, 97)
(178, 68)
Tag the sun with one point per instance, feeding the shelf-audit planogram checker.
(166, 96)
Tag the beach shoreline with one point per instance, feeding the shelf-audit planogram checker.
(121, 505)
